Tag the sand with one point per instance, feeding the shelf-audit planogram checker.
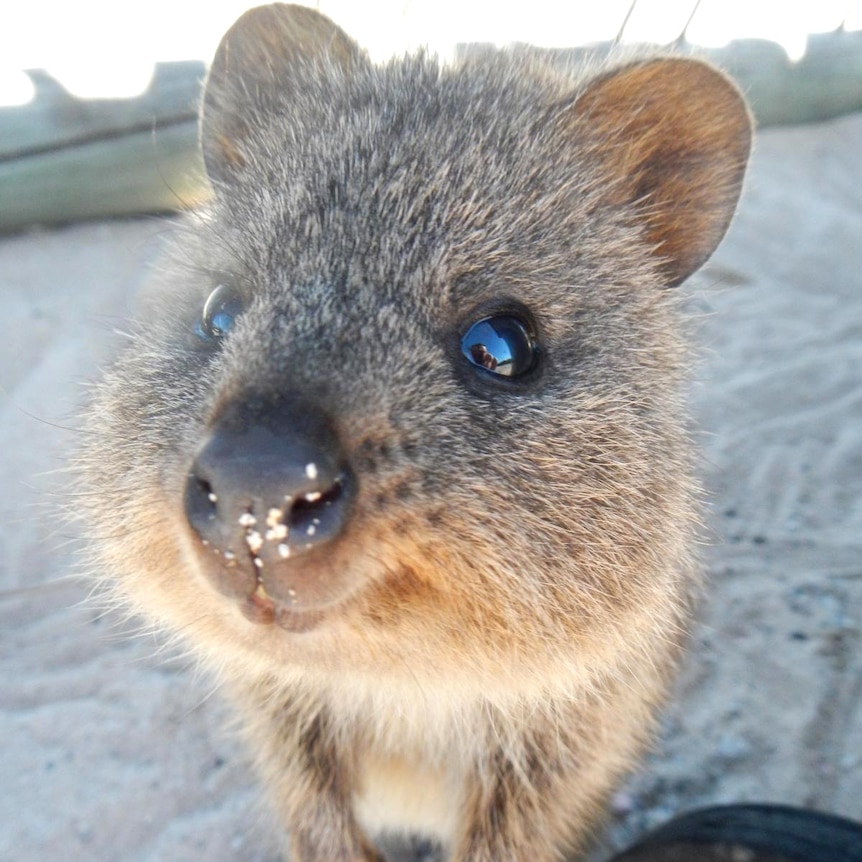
(113, 749)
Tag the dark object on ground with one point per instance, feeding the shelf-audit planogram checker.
(751, 833)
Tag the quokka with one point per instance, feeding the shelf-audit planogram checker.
(399, 446)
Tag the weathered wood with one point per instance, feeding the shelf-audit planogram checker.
(64, 159)
(132, 173)
(825, 83)
(56, 119)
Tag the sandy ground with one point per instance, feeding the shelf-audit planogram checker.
(112, 750)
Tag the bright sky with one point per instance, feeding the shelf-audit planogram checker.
(97, 48)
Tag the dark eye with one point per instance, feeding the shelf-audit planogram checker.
(501, 344)
(221, 310)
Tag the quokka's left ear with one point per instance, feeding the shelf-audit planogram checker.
(257, 59)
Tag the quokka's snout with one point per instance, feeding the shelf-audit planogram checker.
(269, 491)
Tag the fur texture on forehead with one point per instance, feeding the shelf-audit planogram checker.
(391, 170)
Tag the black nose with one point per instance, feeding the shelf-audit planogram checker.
(269, 482)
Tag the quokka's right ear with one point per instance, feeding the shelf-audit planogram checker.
(675, 136)
(256, 61)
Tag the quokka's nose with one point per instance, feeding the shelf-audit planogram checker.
(270, 482)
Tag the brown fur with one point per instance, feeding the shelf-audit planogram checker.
(479, 656)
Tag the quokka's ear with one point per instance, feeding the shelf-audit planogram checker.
(257, 59)
(675, 135)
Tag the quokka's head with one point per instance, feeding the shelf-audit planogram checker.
(405, 397)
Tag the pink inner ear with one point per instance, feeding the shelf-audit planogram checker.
(676, 136)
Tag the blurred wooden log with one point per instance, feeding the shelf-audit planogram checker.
(130, 173)
(56, 119)
(825, 83)
(63, 159)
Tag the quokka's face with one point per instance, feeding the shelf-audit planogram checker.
(405, 395)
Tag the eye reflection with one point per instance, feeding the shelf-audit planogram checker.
(500, 345)
(479, 354)
(220, 312)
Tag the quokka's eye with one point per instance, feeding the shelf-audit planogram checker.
(221, 310)
(501, 345)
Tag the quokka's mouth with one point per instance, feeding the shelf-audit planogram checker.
(262, 609)
(295, 593)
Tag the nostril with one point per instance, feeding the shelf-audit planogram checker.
(200, 502)
(319, 514)
(206, 490)
(316, 501)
